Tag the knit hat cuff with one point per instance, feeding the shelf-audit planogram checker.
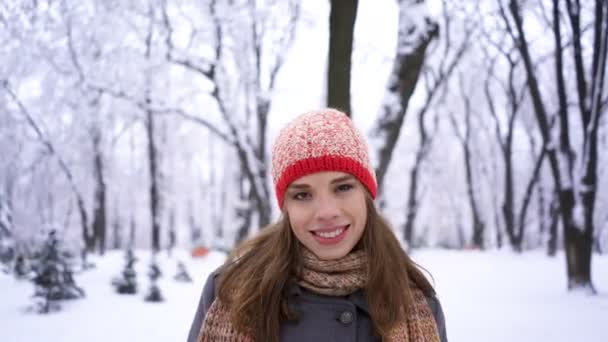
(307, 166)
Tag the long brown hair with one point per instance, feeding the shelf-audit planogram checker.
(254, 281)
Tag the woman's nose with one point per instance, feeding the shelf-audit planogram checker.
(327, 207)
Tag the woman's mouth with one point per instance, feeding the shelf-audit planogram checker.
(331, 236)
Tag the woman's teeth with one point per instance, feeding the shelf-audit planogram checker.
(329, 235)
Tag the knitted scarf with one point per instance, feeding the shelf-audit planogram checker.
(334, 278)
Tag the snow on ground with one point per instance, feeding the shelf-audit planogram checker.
(104, 315)
(498, 296)
(487, 296)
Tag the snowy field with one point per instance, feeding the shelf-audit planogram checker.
(490, 296)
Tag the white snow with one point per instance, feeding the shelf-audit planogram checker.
(413, 25)
(499, 296)
(104, 315)
(486, 296)
(578, 216)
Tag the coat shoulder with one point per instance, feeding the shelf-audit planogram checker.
(206, 299)
(439, 316)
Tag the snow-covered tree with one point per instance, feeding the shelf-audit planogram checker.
(126, 283)
(154, 294)
(6, 228)
(20, 268)
(53, 277)
(182, 273)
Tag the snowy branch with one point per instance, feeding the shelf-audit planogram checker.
(49, 146)
(205, 68)
(285, 41)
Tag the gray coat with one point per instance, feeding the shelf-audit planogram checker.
(321, 318)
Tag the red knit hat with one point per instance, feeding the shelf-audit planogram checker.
(322, 140)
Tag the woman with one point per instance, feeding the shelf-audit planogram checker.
(330, 269)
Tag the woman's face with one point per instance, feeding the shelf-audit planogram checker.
(327, 212)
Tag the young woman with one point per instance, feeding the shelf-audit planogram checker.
(330, 269)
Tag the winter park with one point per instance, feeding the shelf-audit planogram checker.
(138, 141)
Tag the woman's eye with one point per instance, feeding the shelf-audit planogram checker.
(301, 195)
(344, 187)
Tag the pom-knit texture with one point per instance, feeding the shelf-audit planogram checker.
(323, 140)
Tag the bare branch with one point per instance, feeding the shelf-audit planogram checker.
(223, 136)
(574, 12)
(529, 188)
(72, 51)
(28, 117)
(490, 100)
(446, 68)
(543, 13)
(505, 18)
(124, 129)
(454, 123)
(163, 110)
(561, 83)
(566, 45)
(466, 96)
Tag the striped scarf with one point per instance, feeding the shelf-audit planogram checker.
(334, 278)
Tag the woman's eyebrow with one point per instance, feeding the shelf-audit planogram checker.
(342, 179)
(333, 181)
(298, 186)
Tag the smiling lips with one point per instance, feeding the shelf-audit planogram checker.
(330, 236)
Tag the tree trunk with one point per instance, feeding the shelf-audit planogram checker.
(99, 209)
(132, 229)
(116, 233)
(499, 236)
(478, 225)
(541, 212)
(578, 260)
(505, 141)
(579, 237)
(412, 205)
(6, 218)
(553, 225)
(508, 206)
(215, 208)
(262, 202)
(172, 233)
(244, 211)
(462, 240)
(153, 162)
(341, 29)
(154, 192)
(195, 229)
(521, 224)
(477, 240)
(423, 149)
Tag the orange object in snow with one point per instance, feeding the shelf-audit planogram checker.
(200, 251)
